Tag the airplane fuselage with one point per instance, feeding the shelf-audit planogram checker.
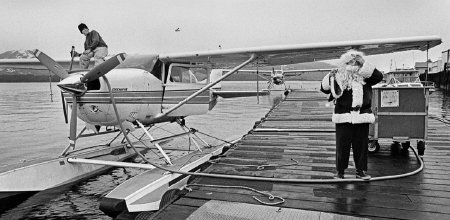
(278, 78)
(138, 95)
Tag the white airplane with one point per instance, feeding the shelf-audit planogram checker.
(143, 90)
(278, 77)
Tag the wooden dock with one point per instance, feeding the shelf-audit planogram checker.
(296, 141)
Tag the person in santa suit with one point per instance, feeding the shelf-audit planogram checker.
(350, 87)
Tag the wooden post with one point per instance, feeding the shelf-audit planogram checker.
(50, 79)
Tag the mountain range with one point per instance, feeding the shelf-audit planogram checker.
(23, 75)
(16, 54)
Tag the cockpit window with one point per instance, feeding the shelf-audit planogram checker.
(181, 73)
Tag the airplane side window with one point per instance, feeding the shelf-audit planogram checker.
(188, 74)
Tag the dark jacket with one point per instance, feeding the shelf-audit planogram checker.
(94, 40)
(354, 105)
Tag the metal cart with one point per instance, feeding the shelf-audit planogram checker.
(401, 113)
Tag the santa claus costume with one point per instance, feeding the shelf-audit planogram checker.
(350, 87)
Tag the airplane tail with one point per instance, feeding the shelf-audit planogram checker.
(51, 64)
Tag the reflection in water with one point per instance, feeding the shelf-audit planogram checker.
(439, 106)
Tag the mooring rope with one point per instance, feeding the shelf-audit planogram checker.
(258, 167)
(214, 137)
(270, 196)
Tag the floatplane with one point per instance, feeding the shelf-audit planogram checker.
(139, 91)
(279, 77)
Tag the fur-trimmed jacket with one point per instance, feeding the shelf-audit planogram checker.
(352, 105)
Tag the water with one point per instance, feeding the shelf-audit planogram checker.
(33, 128)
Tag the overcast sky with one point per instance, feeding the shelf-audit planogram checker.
(148, 26)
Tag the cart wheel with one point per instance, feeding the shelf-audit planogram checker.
(395, 147)
(373, 146)
(421, 147)
(405, 147)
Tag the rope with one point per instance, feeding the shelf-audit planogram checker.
(258, 167)
(270, 196)
(215, 137)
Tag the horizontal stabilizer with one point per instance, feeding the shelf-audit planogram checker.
(234, 94)
(51, 64)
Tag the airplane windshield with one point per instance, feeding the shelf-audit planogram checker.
(145, 62)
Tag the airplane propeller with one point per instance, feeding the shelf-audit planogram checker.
(103, 68)
(52, 65)
(76, 86)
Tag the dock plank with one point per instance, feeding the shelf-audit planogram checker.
(300, 129)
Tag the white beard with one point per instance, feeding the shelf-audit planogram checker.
(347, 75)
(352, 69)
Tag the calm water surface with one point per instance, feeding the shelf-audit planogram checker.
(33, 127)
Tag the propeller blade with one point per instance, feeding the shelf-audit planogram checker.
(103, 68)
(51, 64)
(64, 108)
(73, 123)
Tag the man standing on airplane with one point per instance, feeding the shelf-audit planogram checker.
(94, 46)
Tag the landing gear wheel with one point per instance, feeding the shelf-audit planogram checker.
(421, 147)
(373, 146)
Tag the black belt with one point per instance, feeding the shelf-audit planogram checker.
(357, 108)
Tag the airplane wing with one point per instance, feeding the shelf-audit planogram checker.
(235, 94)
(305, 71)
(285, 72)
(299, 53)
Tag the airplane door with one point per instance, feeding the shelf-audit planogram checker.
(183, 81)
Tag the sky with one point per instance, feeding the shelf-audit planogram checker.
(148, 26)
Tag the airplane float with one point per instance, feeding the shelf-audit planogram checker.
(129, 91)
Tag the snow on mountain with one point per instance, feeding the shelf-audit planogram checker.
(17, 54)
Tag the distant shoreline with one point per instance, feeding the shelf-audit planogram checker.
(5, 78)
